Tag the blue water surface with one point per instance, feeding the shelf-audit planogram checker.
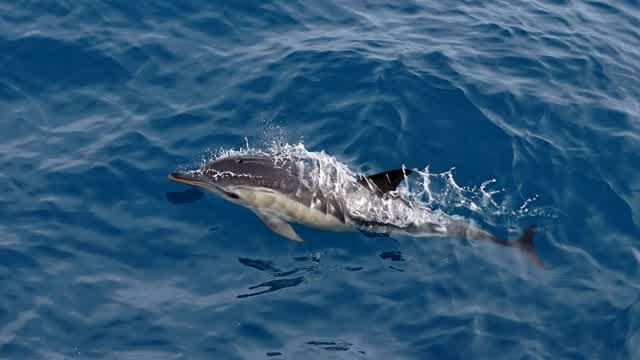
(101, 257)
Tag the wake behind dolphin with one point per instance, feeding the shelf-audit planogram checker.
(293, 185)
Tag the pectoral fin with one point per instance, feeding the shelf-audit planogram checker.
(280, 226)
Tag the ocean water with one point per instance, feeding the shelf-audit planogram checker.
(527, 109)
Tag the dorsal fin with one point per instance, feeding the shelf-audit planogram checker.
(385, 181)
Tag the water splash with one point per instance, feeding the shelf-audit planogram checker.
(434, 198)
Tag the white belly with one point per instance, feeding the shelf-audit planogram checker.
(273, 203)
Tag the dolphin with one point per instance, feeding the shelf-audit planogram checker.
(284, 191)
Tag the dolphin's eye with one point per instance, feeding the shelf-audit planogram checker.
(231, 194)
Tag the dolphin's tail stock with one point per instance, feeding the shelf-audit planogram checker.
(524, 244)
(526, 247)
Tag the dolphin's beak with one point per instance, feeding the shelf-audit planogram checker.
(193, 178)
(190, 178)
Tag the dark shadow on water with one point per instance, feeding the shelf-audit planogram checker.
(268, 266)
(275, 271)
(392, 255)
(293, 271)
(314, 258)
(184, 197)
(273, 285)
(262, 265)
(332, 345)
(354, 268)
(395, 256)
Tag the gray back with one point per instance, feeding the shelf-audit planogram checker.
(255, 171)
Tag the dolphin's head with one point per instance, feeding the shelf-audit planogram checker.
(223, 175)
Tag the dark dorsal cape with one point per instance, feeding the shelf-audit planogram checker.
(385, 181)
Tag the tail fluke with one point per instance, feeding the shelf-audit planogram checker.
(526, 247)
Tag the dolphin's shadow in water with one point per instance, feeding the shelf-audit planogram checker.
(328, 345)
(354, 268)
(395, 256)
(392, 255)
(337, 345)
(279, 273)
(271, 268)
(184, 197)
(273, 285)
(332, 345)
